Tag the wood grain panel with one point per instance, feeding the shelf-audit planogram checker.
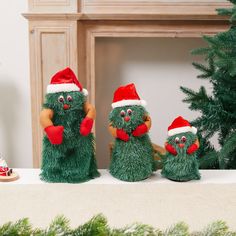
(53, 46)
(54, 56)
(53, 5)
(151, 6)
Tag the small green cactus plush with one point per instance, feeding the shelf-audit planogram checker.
(67, 119)
(180, 162)
(132, 155)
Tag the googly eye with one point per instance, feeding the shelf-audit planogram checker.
(177, 140)
(61, 99)
(183, 139)
(122, 113)
(69, 98)
(129, 111)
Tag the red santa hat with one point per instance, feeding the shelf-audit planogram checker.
(65, 81)
(180, 125)
(127, 96)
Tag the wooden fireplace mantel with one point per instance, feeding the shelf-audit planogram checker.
(133, 10)
(63, 33)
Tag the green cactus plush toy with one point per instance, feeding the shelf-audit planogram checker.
(67, 119)
(132, 155)
(180, 163)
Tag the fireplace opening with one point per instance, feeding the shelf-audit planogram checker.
(158, 67)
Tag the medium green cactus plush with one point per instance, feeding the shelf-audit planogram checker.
(67, 119)
(132, 155)
(180, 163)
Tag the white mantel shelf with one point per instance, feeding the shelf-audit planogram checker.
(31, 176)
(155, 201)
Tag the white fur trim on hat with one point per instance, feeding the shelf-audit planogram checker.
(182, 130)
(57, 88)
(128, 103)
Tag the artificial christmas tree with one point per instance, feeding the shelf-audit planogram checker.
(132, 156)
(67, 119)
(180, 162)
(218, 110)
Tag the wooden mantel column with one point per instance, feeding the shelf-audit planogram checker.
(63, 33)
(53, 46)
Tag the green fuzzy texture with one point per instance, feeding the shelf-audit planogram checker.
(133, 160)
(182, 167)
(98, 226)
(218, 108)
(73, 161)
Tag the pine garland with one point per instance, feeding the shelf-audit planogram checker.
(98, 226)
(218, 109)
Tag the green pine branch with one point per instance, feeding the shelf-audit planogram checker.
(200, 51)
(134, 230)
(212, 41)
(97, 226)
(229, 12)
(218, 228)
(21, 227)
(207, 72)
(180, 229)
(209, 161)
(59, 226)
(217, 110)
(225, 12)
(199, 101)
(227, 150)
(195, 97)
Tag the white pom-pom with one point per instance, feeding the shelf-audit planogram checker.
(194, 130)
(143, 103)
(85, 92)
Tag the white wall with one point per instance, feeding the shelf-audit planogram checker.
(15, 114)
(157, 66)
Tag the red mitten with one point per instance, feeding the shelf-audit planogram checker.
(54, 134)
(86, 126)
(170, 149)
(121, 134)
(140, 130)
(192, 148)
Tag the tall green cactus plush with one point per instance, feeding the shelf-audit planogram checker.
(180, 162)
(132, 155)
(67, 119)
